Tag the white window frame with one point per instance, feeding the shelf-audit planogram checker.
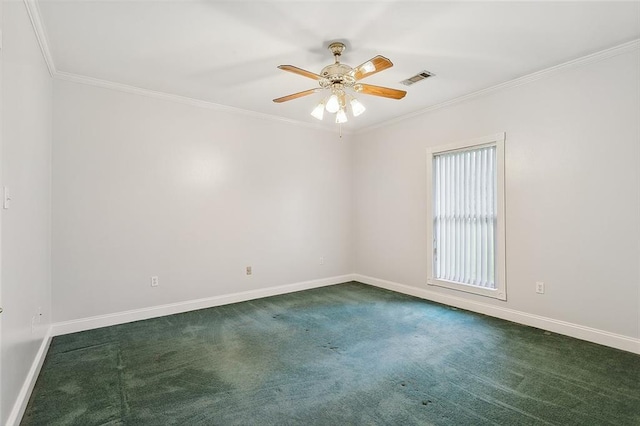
(500, 292)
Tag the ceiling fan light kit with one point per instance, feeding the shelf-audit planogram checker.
(341, 81)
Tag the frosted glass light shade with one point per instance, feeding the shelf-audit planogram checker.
(333, 105)
(357, 108)
(341, 117)
(318, 111)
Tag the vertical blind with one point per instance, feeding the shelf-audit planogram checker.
(465, 216)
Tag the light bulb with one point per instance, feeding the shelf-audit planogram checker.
(341, 117)
(356, 107)
(333, 105)
(318, 111)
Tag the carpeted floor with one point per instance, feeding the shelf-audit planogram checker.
(345, 354)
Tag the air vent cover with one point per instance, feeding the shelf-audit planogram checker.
(422, 75)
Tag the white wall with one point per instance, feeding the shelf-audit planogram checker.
(26, 225)
(572, 193)
(146, 187)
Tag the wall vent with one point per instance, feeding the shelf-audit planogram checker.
(422, 75)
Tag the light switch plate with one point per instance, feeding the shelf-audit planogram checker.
(5, 197)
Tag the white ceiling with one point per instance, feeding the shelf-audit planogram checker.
(227, 52)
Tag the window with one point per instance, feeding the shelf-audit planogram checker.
(466, 216)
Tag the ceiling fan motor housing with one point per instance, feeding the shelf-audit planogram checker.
(337, 73)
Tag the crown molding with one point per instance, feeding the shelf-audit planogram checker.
(33, 10)
(90, 81)
(529, 78)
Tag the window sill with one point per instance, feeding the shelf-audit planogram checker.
(497, 293)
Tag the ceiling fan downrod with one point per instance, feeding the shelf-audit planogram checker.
(337, 48)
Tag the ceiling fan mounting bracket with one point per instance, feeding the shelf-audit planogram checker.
(337, 48)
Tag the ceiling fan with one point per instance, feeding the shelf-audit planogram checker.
(340, 79)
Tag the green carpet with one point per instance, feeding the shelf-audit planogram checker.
(345, 354)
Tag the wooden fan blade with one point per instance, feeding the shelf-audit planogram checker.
(296, 95)
(385, 92)
(300, 71)
(372, 66)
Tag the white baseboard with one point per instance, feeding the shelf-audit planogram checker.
(594, 335)
(90, 323)
(15, 416)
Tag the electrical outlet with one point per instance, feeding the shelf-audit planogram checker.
(154, 281)
(539, 287)
(248, 270)
(322, 260)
